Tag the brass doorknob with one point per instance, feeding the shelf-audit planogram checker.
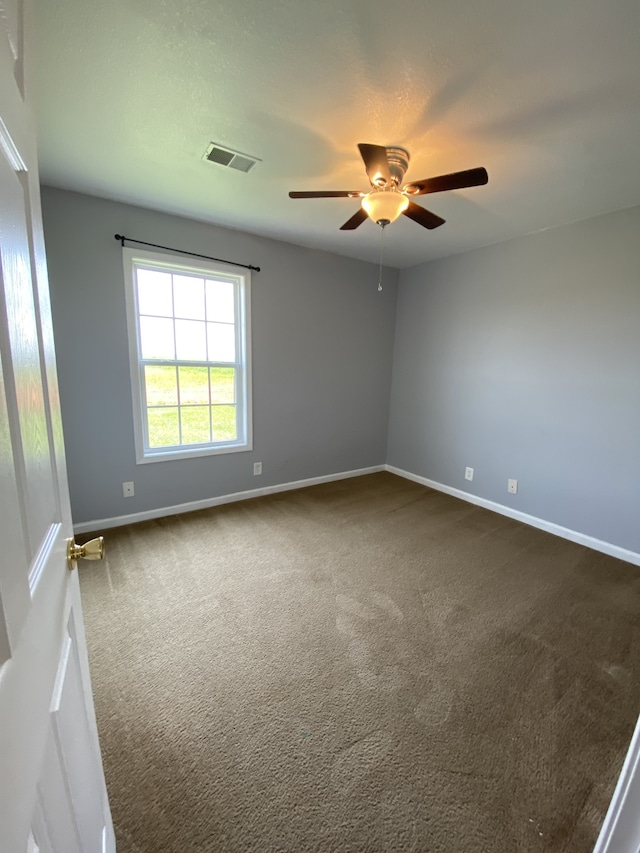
(92, 550)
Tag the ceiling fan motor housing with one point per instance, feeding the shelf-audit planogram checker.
(398, 159)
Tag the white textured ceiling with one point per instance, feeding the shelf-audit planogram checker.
(544, 94)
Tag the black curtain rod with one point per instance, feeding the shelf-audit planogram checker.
(182, 252)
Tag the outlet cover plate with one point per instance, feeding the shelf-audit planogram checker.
(512, 487)
(468, 473)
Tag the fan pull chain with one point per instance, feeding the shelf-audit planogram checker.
(382, 225)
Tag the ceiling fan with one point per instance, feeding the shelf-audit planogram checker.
(385, 201)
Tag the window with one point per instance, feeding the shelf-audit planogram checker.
(189, 346)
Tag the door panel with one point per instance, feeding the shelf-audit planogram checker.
(75, 746)
(39, 832)
(31, 434)
(14, 574)
(14, 566)
(10, 23)
(53, 799)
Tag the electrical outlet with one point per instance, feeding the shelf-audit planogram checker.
(468, 473)
(257, 468)
(127, 490)
(512, 487)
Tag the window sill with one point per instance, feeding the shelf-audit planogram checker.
(191, 452)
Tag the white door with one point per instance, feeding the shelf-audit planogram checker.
(52, 791)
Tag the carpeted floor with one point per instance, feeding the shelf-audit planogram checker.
(366, 665)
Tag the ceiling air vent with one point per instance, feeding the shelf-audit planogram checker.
(228, 157)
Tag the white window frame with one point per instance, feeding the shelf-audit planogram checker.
(134, 258)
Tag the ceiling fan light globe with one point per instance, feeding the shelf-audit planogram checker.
(384, 205)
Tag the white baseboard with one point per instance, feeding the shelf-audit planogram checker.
(549, 526)
(161, 512)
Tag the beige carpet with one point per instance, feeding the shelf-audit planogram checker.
(366, 665)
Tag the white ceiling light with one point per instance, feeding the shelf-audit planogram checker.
(384, 205)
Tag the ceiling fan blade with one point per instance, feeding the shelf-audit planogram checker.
(357, 219)
(423, 217)
(376, 163)
(454, 181)
(327, 194)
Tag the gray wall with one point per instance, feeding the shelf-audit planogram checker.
(522, 360)
(322, 340)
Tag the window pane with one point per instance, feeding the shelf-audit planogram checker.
(163, 427)
(194, 385)
(191, 344)
(195, 424)
(156, 338)
(221, 340)
(161, 386)
(190, 373)
(220, 301)
(223, 385)
(154, 293)
(188, 297)
(224, 423)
